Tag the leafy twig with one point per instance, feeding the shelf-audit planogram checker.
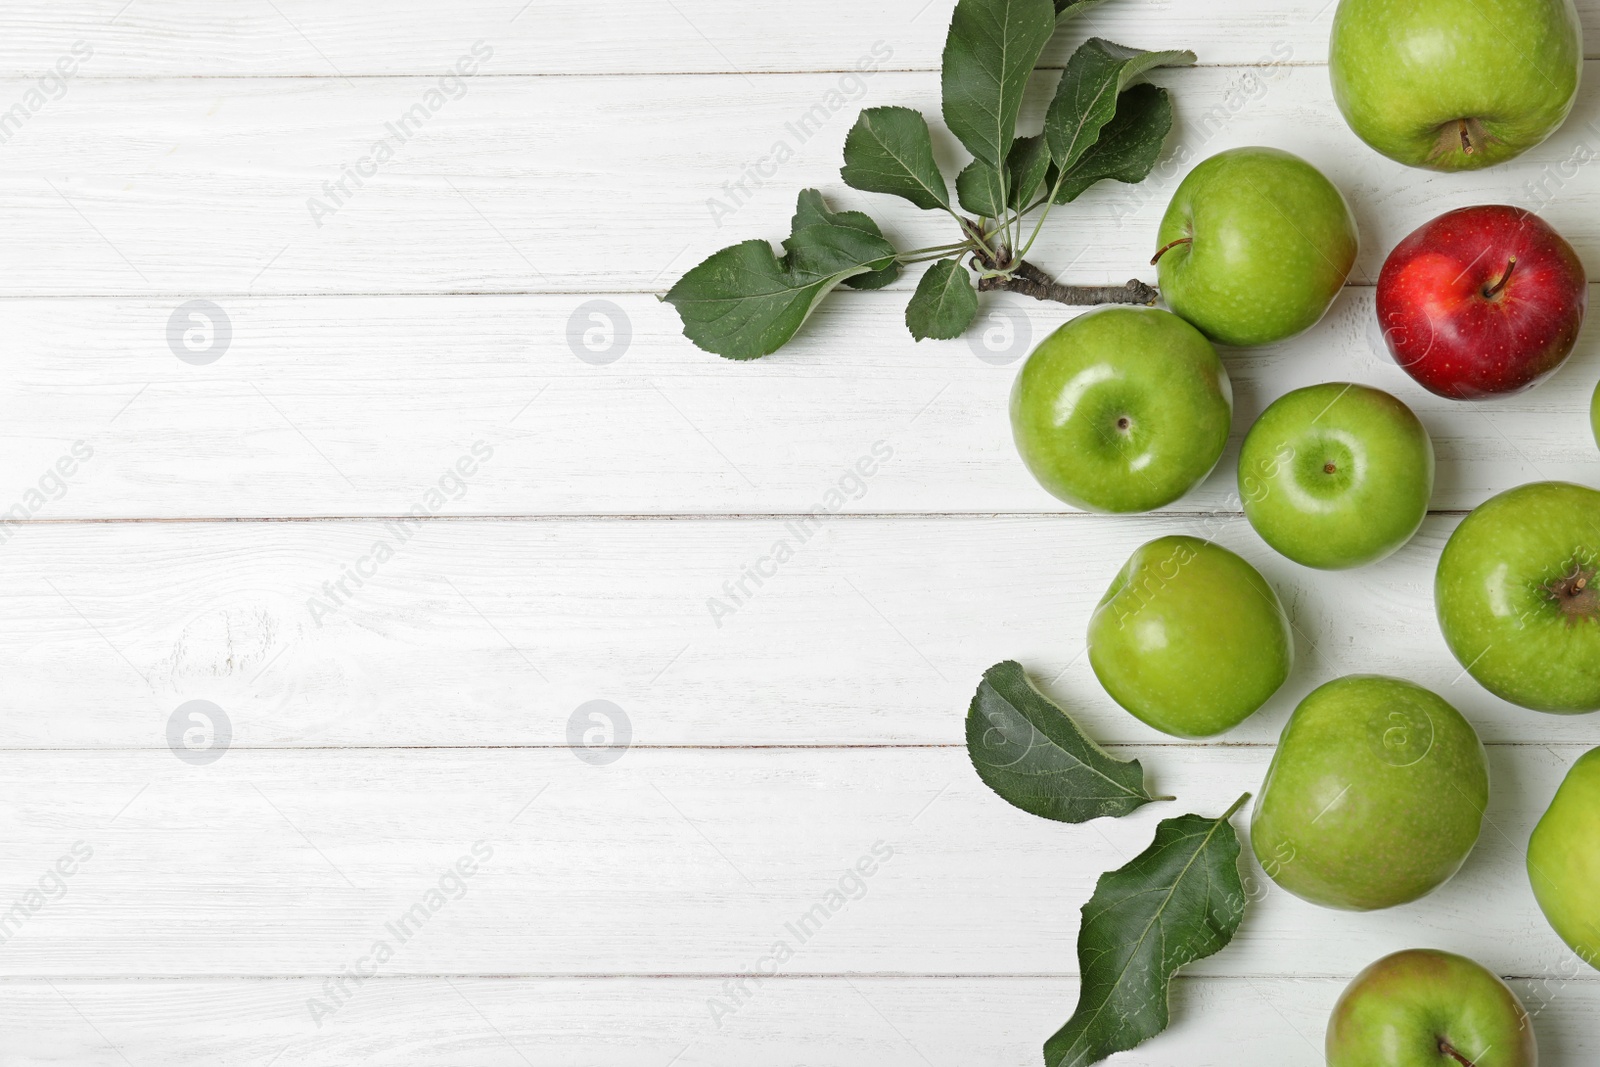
(745, 302)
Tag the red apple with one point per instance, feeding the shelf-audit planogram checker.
(1482, 301)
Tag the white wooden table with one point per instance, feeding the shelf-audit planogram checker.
(473, 334)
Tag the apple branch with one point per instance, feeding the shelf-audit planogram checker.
(1029, 280)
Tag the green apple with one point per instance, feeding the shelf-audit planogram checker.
(1254, 246)
(1374, 797)
(1517, 599)
(1455, 84)
(1336, 475)
(1594, 414)
(1190, 638)
(1425, 1008)
(1122, 409)
(1564, 859)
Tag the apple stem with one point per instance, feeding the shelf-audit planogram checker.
(1449, 1050)
(1466, 138)
(1164, 249)
(1574, 593)
(1029, 280)
(1494, 290)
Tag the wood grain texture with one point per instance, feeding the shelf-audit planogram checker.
(388, 709)
(661, 863)
(190, 187)
(305, 38)
(358, 405)
(495, 633)
(852, 1022)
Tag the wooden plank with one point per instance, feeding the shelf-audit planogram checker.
(191, 187)
(660, 863)
(852, 1022)
(496, 633)
(361, 405)
(302, 37)
(618, 888)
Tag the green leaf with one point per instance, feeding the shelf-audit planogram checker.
(1029, 166)
(1086, 98)
(1177, 901)
(744, 302)
(812, 210)
(889, 150)
(992, 48)
(1129, 144)
(979, 188)
(944, 304)
(1029, 751)
(875, 279)
(1065, 9)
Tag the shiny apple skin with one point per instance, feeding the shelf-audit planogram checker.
(1497, 588)
(1458, 342)
(1374, 798)
(1122, 409)
(1190, 638)
(1402, 1010)
(1336, 475)
(1594, 414)
(1255, 246)
(1564, 859)
(1412, 76)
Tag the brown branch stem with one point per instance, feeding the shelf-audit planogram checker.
(1031, 281)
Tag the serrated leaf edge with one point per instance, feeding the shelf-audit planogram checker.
(1216, 825)
(1130, 68)
(957, 271)
(940, 196)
